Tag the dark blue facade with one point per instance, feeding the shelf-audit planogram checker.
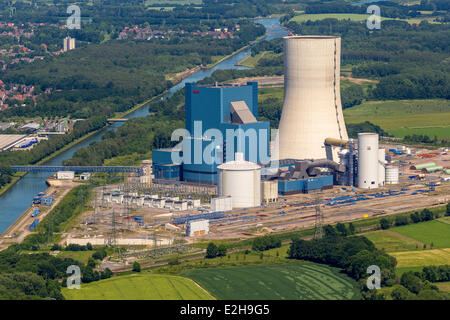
(208, 108)
(304, 185)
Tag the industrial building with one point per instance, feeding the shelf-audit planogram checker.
(226, 108)
(197, 227)
(312, 152)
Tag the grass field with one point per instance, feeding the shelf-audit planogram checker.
(435, 232)
(296, 281)
(445, 220)
(403, 117)
(252, 61)
(392, 241)
(443, 286)
(82, 256)
(427, 257)
(352, 16)
(139, 287)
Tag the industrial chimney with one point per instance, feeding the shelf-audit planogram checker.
(312, 109)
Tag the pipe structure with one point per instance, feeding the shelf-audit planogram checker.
(312, 109)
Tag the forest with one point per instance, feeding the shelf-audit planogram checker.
(114, 76)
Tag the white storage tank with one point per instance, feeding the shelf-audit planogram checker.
(381, 166)
(391, 175)
(241, 180)
(367, 160)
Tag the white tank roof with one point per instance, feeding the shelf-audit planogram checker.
(239, 164)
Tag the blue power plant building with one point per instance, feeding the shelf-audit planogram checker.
(220, 121)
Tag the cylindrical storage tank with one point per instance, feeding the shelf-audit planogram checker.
(381, 165)
(312, 110)
(367, 160)
(241, 180)
(391, 175)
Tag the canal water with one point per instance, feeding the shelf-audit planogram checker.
(18, 198)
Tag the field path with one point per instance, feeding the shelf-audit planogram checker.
(401, 236)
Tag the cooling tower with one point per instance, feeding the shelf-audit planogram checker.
(312, 109)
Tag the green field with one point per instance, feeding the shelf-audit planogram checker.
(173, 2)
(435, 257)
(252, 61)
(139, 287)
(443, 286)
(435, 232)
(403, 117)
(352, 16)
(295, 281)
(82, 256)
(392, 241)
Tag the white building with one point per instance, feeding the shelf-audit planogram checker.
(197, 228)
(68, 43)
(65, 175)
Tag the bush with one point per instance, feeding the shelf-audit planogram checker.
(174, 261)
(265, 243)
(221, 251)
(211, 250)
(385, 224)
(136, 267)
(401, 220)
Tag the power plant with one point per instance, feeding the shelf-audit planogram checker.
(312, 109)
(314, 150)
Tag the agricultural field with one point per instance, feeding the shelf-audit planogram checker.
(443, 286)
(435, 257)
(404, 117)
(173, 2)
(435, 232)
(139, 287)
(252, 61)
(392, 241)
(82, 256)
(295, 281)
(350, 16)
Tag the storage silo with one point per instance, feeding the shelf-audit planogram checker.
(381, 166)
(391, 175)
(312, 109)
(368, 160)
(241, 180)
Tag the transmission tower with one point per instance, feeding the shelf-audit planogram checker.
(318, 225)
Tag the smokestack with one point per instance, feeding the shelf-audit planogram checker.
(312, 109)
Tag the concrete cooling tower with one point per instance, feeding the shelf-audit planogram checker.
(312, 109)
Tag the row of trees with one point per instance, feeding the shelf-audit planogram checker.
(352, 254)
(419, 286)
(415, 217)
